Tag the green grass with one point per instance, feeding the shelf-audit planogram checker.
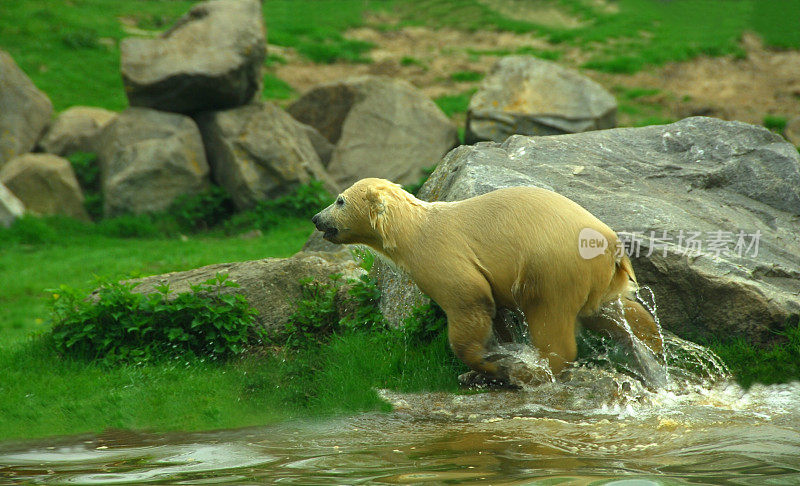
(44, 394)
(453, 104)
(74, 255)
(642, 33)
(70, 48)
(548, 54)
(775, 123)
(466, 76)
(749, 364)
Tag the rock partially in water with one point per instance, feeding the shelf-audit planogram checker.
(710, 209)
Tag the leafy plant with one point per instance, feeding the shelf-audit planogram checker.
(305, 201)
(204, 210)
(426, 323)
(315, 316)
(87, 171)
(319, 314)
(123, 326)
(366, 314)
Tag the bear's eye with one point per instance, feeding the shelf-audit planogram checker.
(340, 201)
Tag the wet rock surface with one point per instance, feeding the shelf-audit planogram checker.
(733, 187)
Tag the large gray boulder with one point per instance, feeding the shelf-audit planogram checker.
(24, 111)
(75, 130)
(210, 59)
(271, 286)
(147, 159)
(733, 188)
(11, 208)
(258, 152)
(381, 127)
(529, 96)
(45, 184)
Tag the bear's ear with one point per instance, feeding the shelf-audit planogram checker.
(378, 209)
(377, 205)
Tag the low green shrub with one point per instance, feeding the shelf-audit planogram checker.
(121, 326)
(303, 202)
(87, 171)
(425, 324)
(196, 212)
(319, 313)
(209, 210)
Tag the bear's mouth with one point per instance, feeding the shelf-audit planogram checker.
(329, 233)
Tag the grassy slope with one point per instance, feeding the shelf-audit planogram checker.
(70, 50)
(42, 394)
(26, 270)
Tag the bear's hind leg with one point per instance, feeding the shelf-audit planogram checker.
(552, 331)
(469, 330)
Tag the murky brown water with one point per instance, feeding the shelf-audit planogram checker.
(589, 429)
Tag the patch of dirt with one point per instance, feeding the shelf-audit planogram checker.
(540, 12)
(765, 82)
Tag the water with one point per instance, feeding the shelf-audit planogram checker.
(603, 422)
(717, 435)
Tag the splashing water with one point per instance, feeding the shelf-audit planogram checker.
(598, 423)
(683, 363)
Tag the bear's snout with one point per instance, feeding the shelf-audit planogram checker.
(323, 225)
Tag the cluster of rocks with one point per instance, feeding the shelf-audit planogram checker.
(196, 118)
(732, 187)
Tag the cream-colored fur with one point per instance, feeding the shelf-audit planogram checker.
(515, 248)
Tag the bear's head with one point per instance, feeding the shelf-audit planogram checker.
(361, 214)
